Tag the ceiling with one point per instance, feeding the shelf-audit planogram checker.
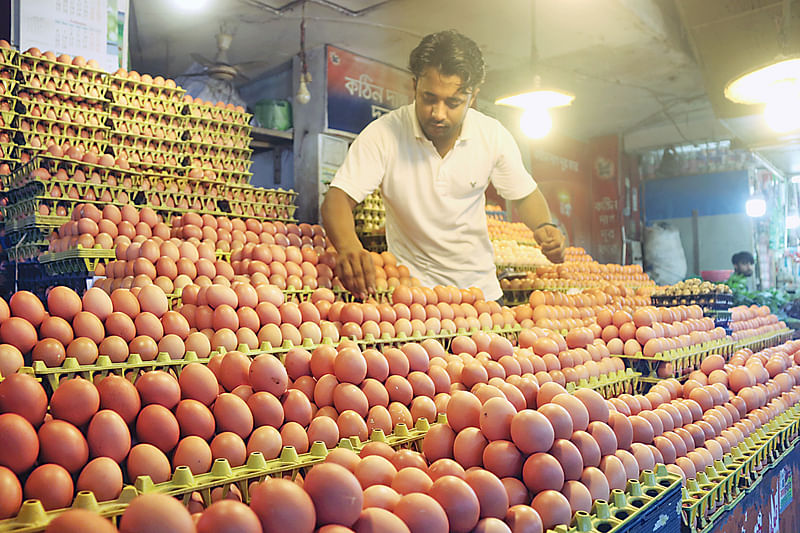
(643, 68)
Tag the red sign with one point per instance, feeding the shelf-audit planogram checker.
(362, 89)
(606, 214)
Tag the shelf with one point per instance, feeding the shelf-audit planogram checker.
(267, 138)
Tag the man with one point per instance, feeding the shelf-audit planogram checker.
(433, 161)
(742, 269)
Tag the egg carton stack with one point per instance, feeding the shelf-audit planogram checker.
(9, 71)
(370, 219)
(61, 101)
(146, 120)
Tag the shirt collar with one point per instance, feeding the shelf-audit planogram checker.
(467, 128)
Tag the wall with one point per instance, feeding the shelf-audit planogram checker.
(723, 228)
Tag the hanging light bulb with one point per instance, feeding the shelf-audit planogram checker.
(782, 111)
(792, 221)
(303, 96)
(755, 206)
(536, 122)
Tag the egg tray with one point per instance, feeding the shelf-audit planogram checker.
(713, 492)
(610, 385)
(304, 295)
(135, 102)
(26, 252)
(69, 191)
(26, 111)
(109, 176)
(9, 57)
(235, 131)
(373, 242)
(117, 83)
(23, 90)
(75, 261)
(263, 210)
(650, 503)
(713, 300)
(273, 196)
(138, 156)
(216, 151)
(24, 146)
(122, 125)
(44, 223)
(218, 114)
(39, 284)
(765, 340)
(53, 82)
(30, 206)
(168, 212)
(33, 62)
(169, 200)
(174, 185)
(32, 518)
(225, 163)
(55, 126)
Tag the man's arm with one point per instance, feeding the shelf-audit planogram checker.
(534, 212)
(353, 263)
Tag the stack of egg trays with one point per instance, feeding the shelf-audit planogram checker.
(684, 360)
(650, 503)
(32, 518)
(9, 72)
(717, 490)
(181, 184)
(33, 278)
(219, 140)
(147, 125)
(74, 98)
(610, 385)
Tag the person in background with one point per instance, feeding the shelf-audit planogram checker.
(433, 160)
(743, 264)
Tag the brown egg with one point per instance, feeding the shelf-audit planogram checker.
(19, 333)
(26, 305)
(553, 508)
(97, 302)
(103, 477)
(569, 457)
(614, 470)
(560, 419)
(63, 444)
(596, 482)
(232, 414)
(541, 472)
(52, 485)
(63, 302)
(576, 409)
(108, 436)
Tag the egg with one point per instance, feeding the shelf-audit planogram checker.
(63, 444)
(421, 514)
(230, 446)
(152, 512)
(103, 477)
(12, 493)
(52, 485)
(553, 508)
(20, 442)
(559, 419)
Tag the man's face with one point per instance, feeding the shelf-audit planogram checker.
(745, 269)
(441, 104)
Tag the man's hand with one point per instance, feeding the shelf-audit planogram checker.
(356, 271)
(551, 240)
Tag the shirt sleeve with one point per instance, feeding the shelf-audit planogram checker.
(509, 176)
(364, 165)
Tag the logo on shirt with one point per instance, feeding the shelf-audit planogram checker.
(472, 184)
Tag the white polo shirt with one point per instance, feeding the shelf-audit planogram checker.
(435, 206)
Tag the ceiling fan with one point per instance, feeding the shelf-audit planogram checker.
(220, 68)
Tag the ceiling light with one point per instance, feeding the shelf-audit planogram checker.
(796, 178)
(303, 96)
(536, 122)
(755, 207)
(190, 5)
(542, 99)
(792, 221)
(778, 86)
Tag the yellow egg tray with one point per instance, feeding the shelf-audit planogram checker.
(217, 114)
(198, 126)
(75, 260)
(26, 110)
(720, 488)
(215, 152)
(59, 82)
(610, 385)
(304, 295)
(27, 251)
(647, 504)
(169, 212)
(32, 518)
(70, 191)
(134, 156)
(126, 100)
(9, 57)
(63, 95)
(180, 184)
(273, 196)
(29, 62)
(54, 126)
(123, 124)
(684, 360)
(36, 221)
(261, 210)
(119, 84)
(230, 165)
(24, 141)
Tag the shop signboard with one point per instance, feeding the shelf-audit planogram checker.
(360, 89)
(559, 167)
(606, 210)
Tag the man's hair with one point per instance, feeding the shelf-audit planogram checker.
(742, 257)
(453, 54)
